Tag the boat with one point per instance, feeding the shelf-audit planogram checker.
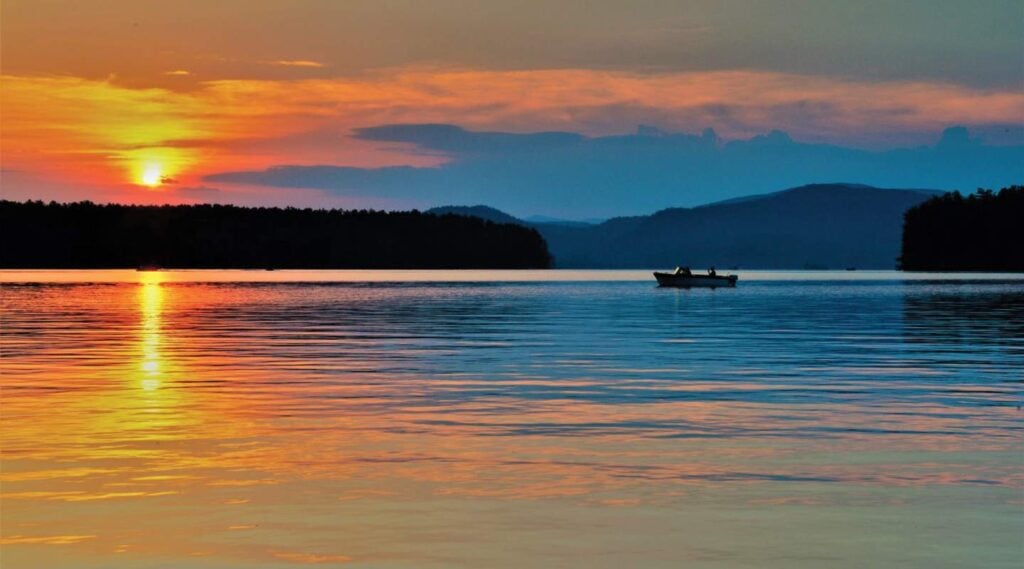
(147, 268)
(684, 278)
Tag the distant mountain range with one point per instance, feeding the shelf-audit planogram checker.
(481, 211)
(819, 226)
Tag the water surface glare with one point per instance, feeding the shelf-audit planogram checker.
(393, 419)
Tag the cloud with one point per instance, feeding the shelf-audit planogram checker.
(453, 139)
(311, 558)
(942, 41)
(735, 103)
(95, 133)
(296, 63)
(46, 540)
(178, 73)
(568, 174)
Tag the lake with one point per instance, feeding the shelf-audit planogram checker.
(423, 419)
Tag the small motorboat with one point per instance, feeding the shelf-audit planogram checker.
(684, 278)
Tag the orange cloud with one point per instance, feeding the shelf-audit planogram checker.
(46, 540)
(310, 558)
(296, 63)
(103, 133)
(93, 131)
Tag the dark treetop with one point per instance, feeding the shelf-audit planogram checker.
(87, 235)
(981, 232)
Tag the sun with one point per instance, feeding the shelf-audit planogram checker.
(151, 176)
(154, 167)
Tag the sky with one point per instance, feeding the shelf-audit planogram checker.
(566, 109)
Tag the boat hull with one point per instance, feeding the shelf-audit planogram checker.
(694, 281)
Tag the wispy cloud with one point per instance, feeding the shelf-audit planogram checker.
(310, 558)
(296, 63)
(46, 540)
(101, 132)
(736, 103)
(178, 73)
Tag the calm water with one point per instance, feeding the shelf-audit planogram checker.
(570, 419)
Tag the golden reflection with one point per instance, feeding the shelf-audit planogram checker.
(151, 302)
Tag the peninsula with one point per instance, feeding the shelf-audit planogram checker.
(87, 235)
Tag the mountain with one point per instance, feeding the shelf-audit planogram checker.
(815, 226)
(498, 216)
(534, 219)
(481, 211)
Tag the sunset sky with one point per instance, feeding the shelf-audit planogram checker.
(570, 109)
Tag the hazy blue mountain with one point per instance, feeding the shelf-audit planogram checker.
(573, 222)
(815, 226)
(481, 211)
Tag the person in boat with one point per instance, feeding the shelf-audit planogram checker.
(711, 272)
(682, 271)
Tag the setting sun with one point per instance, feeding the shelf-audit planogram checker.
(151, 175)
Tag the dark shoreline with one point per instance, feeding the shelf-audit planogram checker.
(84, 235)
(980, 232)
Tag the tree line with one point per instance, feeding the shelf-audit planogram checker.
(88, 235)
(983, 231)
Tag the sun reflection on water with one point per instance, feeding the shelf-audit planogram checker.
(151, 301)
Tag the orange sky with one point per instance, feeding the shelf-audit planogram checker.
(137, 101)
(102, 134)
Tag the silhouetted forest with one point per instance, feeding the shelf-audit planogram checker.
(87, 235)
(981, 232)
